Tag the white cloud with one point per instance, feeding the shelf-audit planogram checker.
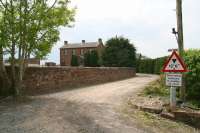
(148, 23)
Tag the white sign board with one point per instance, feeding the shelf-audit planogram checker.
(174, 80)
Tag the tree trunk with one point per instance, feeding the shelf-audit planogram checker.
(22, 48)
(4, 80)
(14, 75)
(14, 91)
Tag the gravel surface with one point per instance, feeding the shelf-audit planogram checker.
(91, 109)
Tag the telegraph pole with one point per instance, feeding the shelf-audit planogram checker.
(179, 26)
(180, 40)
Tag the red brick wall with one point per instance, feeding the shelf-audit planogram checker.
(33, 61)
(43, 79)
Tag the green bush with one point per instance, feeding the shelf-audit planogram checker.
(192, 60)
(74, 61)
(146, 66)
(158, 64)
(119, 52)
(91, 59)
(157, 88)
(151, 66)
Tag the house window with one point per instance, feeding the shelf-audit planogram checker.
(74, 52)
(91, 50)
(65, 52)
(62, 63)
(82, 52)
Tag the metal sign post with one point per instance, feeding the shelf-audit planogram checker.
(174, 65)
(173, 80)
(173, 98)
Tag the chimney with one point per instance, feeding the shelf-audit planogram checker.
(83, 41)
(65, 42)
(100, 41)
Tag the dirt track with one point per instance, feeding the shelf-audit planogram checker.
(86, 110)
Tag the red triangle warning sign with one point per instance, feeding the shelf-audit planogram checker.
(174, 64)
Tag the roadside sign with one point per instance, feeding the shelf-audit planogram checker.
(174, 64)
(174, 80)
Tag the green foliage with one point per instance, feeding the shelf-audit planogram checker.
(119, 52)
(45, 33)
(146, 66)
(86, 59)
(150, 66)
(157, 88)
(192, 60)
(74, 61)
(33, 25)
(158, 64)
(30, 28)
(94, 58)
(194, 103)
(91, 59)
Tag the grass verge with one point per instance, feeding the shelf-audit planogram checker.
(157, 88)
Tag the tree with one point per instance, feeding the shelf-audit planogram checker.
(4, 80)
(119, 52)
(74, 61)
(91, 59)
(31, 29)
(86, 59)
(94, 58)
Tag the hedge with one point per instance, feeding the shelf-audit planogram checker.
(74, 61)
(91, 59)
(192, 60)
(192, 80)
(150, 66)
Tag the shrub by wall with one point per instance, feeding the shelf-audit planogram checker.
(74, 61)
(91, 59)
(119, 52)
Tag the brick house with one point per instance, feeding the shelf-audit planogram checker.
(78, 49)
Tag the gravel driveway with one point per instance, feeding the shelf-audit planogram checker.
(91, 109)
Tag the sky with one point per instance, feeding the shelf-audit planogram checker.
(147, 23)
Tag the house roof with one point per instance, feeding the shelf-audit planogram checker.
(81, 45)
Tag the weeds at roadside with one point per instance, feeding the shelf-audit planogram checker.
(154, 123)
(157, 88)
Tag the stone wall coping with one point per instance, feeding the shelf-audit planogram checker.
(68, 67)
(44, 79)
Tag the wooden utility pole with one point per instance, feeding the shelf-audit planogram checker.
(180, 40)
(179, 25)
